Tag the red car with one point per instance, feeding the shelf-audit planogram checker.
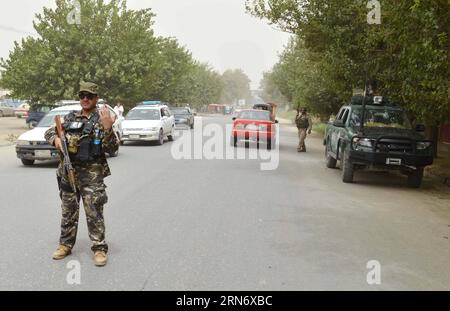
(252, 125)
(22, 111)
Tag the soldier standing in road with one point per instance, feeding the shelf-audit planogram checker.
(89, 135)
(304, 125)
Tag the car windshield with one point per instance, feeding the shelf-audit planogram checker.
(255, 115)
(49, 119)
(143, 114)
(393, 118)
(180, 111)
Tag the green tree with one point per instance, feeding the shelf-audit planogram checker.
(335, 51)
(236, 86)
(114, 47)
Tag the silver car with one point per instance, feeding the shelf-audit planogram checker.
(6, 110)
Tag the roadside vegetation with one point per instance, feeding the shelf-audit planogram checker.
(334, 51)
(116, 48)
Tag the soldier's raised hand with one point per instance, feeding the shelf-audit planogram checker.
(106, 119)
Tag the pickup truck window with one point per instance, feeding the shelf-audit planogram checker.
(392, 118)
(345, 116)
(340, 114)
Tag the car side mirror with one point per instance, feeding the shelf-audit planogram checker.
(338, 123)
(276, 121)
(420, 128)
(234, 119)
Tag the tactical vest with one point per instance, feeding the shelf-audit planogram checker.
(302, 122)
(83, 139)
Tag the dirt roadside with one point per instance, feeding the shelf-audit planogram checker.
(10, 129)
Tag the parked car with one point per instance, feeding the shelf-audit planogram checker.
(386, 141)
(6, 110)
(253, 125)
(32, 146)
(183, 116)
(149, 121)
(22, 110)
(36, 113)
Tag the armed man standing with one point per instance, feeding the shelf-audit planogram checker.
(304, 125)
(89, 135)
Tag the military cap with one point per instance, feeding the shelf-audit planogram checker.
(89, 87)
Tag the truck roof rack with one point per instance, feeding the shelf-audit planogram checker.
(372, 100)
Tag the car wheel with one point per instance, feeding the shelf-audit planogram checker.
(347, 168)
(114, 154)
(27, 162)
(170, 136)
(161, 137)
(330, 161)
(415, 178)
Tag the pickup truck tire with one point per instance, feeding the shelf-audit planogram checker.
(347, 168)
(415, 178)
(269, 144)
(330, 161)
(27, 162)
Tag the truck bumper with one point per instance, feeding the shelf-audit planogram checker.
(390, 159)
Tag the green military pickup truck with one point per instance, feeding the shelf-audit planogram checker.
(386, 140)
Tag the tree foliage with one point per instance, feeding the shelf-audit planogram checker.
(335, 50)
(236, 86)
(114, 47)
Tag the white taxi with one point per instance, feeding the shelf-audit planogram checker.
(149, 121)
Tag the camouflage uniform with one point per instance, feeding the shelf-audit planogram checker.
(89, 182)
(304, 125)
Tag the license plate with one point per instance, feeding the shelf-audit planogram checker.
(392, 161)
(42, 154)
(134, 136)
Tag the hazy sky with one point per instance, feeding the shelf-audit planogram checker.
(218, 32)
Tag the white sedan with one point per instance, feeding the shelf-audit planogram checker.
(32, 146)
(149, 122)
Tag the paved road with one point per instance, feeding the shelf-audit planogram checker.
(228, 225)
